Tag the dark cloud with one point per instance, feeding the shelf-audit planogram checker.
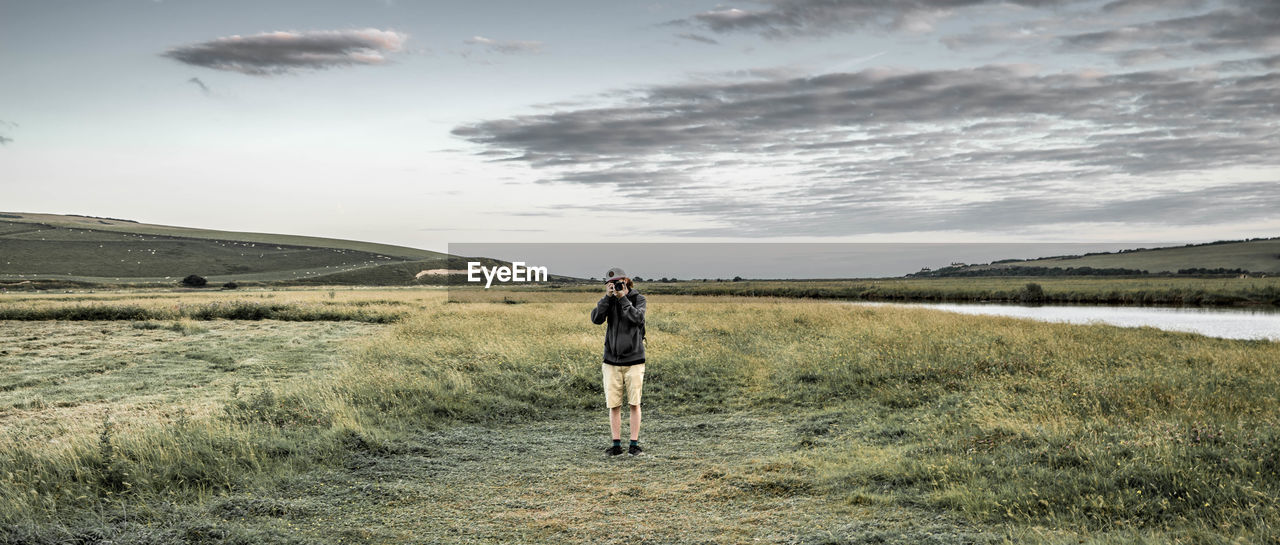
(285, 52)
(505, 47)
(5, 140)
(896, 150)
(696, 38)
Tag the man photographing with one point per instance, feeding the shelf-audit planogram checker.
(622, 308)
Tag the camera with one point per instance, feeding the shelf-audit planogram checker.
(619, 285)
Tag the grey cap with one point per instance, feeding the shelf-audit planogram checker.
(615, 273)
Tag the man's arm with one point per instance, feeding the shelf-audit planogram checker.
(633, 312)
(601, 311)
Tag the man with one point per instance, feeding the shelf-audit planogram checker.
(622, 308)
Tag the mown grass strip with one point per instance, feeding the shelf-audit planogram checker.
(233, 310)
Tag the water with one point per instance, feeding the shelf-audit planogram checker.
(1227, 323)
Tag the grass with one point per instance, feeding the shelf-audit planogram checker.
(542, 482)
(295, 305)
(59, 379)
(771, 419)
(235, 310)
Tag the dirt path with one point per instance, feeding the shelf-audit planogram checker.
(705, 479)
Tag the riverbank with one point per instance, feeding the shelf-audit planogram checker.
(1067, 290)
(1254, 322)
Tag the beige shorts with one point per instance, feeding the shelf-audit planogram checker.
(618, 378)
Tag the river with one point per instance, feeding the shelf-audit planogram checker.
(1227, 323)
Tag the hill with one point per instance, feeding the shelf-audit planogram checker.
(53, 249)
(1254, 256)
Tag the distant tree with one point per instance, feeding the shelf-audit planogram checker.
(1033, 293)
(194, 281)
(230, 286)
(638, 279)
(1219, 270)
(1028, 271)
(737, 279)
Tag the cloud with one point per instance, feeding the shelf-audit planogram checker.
(1242, 25)
(1178, 208)
(782, 19)
(284, 52)
(1177, 29)
(1023, 35)
(1258, 63)
(505, 47)
(884, 150)
(1174, 30)
(696, 38)
(1130, 6)
(4, 140)
(203, 88)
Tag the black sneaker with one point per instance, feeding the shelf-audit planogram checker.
(613, 451)
(635, 450)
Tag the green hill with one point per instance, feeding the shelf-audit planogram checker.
(45, 248)
(1256, 256)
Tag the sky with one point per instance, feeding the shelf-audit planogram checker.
(430, 123)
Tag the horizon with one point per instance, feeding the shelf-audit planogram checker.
(748, 260)
(781, 121)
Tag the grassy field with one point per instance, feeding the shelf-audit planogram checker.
(96, 251)
(63, 223)
(778, 420)
(1253, 255)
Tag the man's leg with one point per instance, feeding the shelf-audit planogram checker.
(613, 400)
(635, 383)
(633, 421)
(615, 422)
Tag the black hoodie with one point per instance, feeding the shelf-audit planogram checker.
(624, 336)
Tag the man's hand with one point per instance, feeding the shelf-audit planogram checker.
(608, 289)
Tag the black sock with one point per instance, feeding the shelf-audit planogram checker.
(617, 443)
(635, 442)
